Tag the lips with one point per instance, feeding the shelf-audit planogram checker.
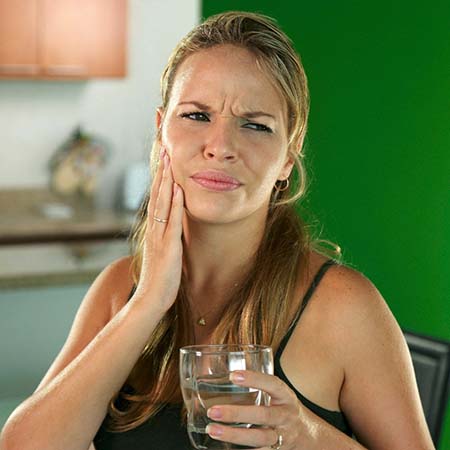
(216, 181)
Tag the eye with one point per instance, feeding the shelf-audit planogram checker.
(195, 115)
(258, 127)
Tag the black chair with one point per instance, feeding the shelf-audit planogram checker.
(431, 360)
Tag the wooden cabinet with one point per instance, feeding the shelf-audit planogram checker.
(18, 38)
(62, 39)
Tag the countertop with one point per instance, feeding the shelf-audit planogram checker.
(23, 218)
(46, 239)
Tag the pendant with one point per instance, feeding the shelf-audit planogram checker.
(201, 322)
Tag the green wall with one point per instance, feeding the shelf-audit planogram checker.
(379, 142)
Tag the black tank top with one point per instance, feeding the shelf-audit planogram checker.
(165, 430)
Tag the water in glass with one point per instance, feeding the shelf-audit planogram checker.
(205, 382)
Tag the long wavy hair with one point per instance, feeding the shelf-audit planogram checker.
(258, 310)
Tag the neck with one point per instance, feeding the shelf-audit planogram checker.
(216, 256)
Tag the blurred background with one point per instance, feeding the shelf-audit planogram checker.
(79, 85)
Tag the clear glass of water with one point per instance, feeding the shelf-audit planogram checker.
(205, 382)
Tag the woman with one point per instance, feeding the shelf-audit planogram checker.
(221, 256)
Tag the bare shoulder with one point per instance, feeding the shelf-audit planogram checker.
(322, 345)
(341, 289)
(352, 311)
(352, 297)
(379, 394)
(119, 277)
(365, 322)
(110, 290)
(357, 315)
(348, 353)
(345, 307)
(351, 290)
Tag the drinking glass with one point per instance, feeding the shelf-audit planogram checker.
(205, 382)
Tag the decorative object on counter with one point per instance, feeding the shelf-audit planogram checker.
(56, 211)
(135, 184)
(76, 165)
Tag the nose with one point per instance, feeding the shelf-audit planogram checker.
(221, 143)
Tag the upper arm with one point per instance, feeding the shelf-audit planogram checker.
(379, 395)
(108, 292)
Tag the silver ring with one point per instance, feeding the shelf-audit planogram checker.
(279, 443)
(160, 220)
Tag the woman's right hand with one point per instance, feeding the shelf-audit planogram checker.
(162, 247)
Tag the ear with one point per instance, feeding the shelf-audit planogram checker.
(159, 116)
(287, 168)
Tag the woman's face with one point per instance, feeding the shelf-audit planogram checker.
(225, 119)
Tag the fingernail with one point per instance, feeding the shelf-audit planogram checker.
(166, 160)
(214, 430)
(237, 377)
(175, 188)
(214, 413)
(162, 151)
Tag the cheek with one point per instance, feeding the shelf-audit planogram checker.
(180, 145)
(267, 167)
(169, 137)
(172, 141)
(176, 166)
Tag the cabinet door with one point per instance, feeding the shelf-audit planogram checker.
(62, 39)
(18, 38)
(105, 31)
(83, 38)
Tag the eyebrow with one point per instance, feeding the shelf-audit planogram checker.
(248, 115)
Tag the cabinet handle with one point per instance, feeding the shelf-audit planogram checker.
(18, 68)
(66, 70)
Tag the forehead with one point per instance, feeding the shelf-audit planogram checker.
(227, 74)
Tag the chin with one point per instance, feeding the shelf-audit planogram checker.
(222, 213)
(210, 214)
(211, 208)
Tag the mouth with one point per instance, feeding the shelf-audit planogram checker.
(216, 181)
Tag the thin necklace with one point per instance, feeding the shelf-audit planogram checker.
(201, 321)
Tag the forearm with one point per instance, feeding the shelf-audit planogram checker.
(68, 411)
(322, 435)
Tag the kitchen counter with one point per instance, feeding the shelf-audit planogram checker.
(38, 215)
(46, 240)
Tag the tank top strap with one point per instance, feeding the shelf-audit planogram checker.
(315, 282)
(133, 290)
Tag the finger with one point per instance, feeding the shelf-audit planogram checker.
(155, 186)
(255, 437)
(277, 389)
(164, 200)
(273, 416)
(175, 225)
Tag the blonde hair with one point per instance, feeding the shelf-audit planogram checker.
(258, 309)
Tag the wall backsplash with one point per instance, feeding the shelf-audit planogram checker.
(37, 116)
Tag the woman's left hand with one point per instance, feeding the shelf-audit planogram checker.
(284, 417)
